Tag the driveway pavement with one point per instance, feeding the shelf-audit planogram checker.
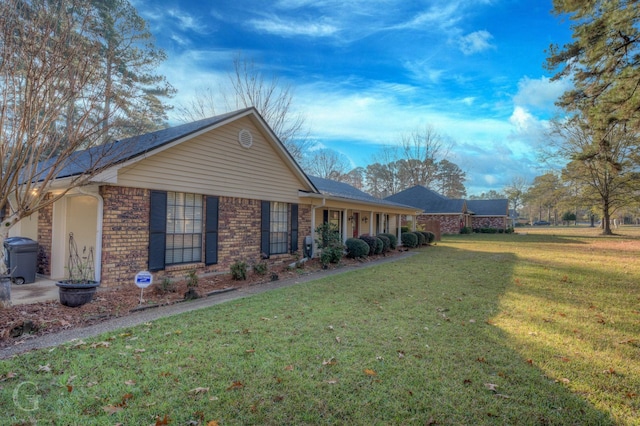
(141, 317)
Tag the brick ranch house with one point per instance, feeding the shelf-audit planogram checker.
(453, 214)
(200, 196)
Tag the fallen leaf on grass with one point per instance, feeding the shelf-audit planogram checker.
(9, 375)
(130, 382)
(330, 361)
(331, 382)
(111, 409)
(490, 386)
(250, 351)
(44, 368)
(370, 372)
(338, 339)
(139, 351)
(198, 390)
(235, 385)
(288, 368)
(162, 421)
(100, 345)
(610, 371)
(631, 394)
(213, 423)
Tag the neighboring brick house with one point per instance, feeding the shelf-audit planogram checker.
(198, 196)
(453, 214)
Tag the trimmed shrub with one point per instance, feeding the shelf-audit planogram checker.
(379, 245)
(409, 239)
(330, 244)
(261, 268)
(431, 237)
(393, 240)
(466, 230)
(239, 270)
(371, 241)
(404, 229)
(386, 243)
(356, 248)
(422, 240)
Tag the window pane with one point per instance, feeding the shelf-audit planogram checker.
(279, 228)
(184, 228)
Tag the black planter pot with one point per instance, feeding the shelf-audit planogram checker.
(75, 294)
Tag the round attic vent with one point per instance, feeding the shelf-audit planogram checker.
(245, 138)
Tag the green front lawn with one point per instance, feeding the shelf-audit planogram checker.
(479, 329)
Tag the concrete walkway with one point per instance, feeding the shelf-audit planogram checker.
(133, 319)
(40, 291)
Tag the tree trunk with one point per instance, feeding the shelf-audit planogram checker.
(606, 226)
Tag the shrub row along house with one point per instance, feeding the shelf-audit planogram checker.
(454, 215)
(199, 196)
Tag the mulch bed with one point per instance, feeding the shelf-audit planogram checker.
(21, 322)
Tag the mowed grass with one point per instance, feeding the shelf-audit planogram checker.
(517, 329)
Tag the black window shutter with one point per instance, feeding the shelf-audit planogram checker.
(325, 216)
(211, 231)
(157, 230)
(294, 228)
(265, 229)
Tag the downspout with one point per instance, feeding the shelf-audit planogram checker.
(313, 225)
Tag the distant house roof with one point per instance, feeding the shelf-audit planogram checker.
(428, 201)
(499, 207)
(344, 190)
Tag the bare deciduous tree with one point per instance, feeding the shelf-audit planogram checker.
(328, 164)
(50, 95)
(249, 87)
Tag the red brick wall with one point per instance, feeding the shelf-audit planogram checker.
(125, 236)
(449, 224)
(431, 226)
(488, 222)
(45, 229)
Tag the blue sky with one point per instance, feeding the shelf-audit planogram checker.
(365, 72)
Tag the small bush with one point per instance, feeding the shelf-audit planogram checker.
(192, 279)
(404, 229)
(466, 230)
(422, 240)
(330, 244)
(409, 239)
(356, 248)
(166, 286)
(239, 270)
(371, 241)
(393, 240)
(331, 255)
(386, 243)
(431, 237)
(261, 268)
(379, 246)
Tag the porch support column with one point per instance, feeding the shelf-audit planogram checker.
(399, 229)
(344, 225)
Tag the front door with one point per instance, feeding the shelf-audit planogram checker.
(356, 225)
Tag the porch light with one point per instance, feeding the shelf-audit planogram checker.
(365, 219)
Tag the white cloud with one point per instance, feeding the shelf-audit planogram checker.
(187, 22)
(476, 42)
(540, 93)
(275, 25)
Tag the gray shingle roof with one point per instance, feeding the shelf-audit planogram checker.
(427, 200)
(431, 202)
(119, 151)
(346, 191)
(499, 207)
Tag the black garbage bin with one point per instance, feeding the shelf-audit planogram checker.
(21, 259)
